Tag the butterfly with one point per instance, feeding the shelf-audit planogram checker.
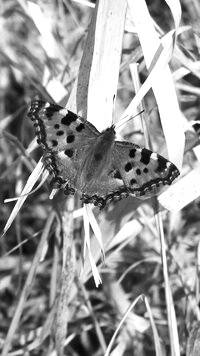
(93, 163)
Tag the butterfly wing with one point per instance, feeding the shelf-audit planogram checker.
(133, 170)
(66, 140)
(144, 172)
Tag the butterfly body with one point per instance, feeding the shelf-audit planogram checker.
(102, 170)
(99, 155)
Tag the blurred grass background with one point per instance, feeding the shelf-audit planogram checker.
(28, 65)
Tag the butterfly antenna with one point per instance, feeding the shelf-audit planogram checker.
(130, 118)
(113, 108)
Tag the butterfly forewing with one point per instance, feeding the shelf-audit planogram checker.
(57, 127)
(65, 137)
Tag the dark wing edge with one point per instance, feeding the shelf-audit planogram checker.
(34, 114)
(101, 202)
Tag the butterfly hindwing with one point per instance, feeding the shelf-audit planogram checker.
(110, 187)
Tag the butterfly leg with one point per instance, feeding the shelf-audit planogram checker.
(69, 190)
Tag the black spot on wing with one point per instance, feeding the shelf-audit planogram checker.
(60, 133)
(80, 127)
(39, 107)
(56, 126)
(145, 156)
(69, 118)
(162, 164)
(138, 171)
(133, 181)
(70, 138)
(69, 153)
(54, 143)
(128, 166)
(51, 110)
(117, 174)
(132, 153)
(145, 170)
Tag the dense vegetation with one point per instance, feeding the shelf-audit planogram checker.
(82, 57)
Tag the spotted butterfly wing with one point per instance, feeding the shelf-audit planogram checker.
(66, 140)
(102, 170)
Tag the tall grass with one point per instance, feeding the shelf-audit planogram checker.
(81, 56)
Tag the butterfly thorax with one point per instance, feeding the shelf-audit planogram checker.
(99, 157)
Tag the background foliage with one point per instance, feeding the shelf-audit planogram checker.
(64, 312)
